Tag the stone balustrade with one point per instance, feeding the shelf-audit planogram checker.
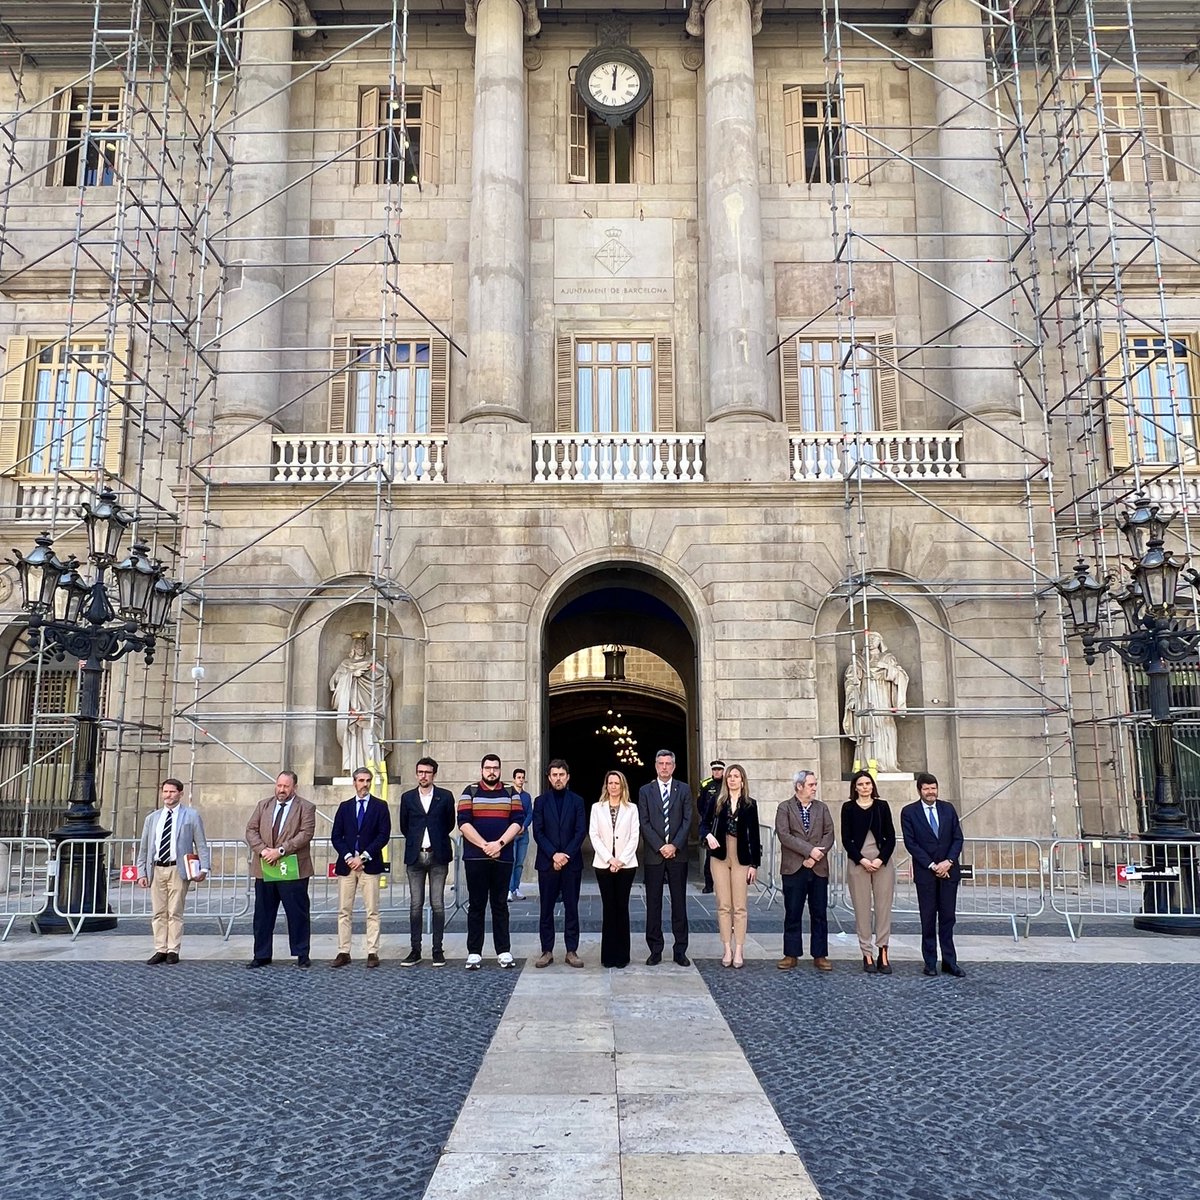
(360, 458)
(618, 458)
(46, 501)
(912, 455)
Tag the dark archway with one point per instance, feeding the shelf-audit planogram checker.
(635, 607)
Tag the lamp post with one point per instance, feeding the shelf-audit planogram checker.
(67, 614)
(1156, 635)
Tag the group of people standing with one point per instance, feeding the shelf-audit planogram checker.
(933, 838)
(494, 818)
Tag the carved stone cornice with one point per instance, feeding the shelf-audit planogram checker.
(695, 18)
(533, 22)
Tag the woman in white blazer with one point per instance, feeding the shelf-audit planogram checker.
(613, 830)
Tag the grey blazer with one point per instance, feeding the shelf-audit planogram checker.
(189, 839)
(650, 814)
(796, 845)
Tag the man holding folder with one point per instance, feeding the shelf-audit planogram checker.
(278, 834)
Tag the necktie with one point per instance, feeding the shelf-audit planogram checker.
(806, 816)
(666, 813)
(278, 823)
(362, 812)
(164, 842)
(931, 810)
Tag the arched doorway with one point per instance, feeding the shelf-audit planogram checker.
(589, 719)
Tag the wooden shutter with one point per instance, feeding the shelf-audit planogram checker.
(339, 383)
(12, 401)
(854, 143)
(367, 156)
(793, 134)
(789, 383)
(564, 384)
(60, 120)
(116, 408)
(1116, 391)
(430, 167)
(887, 382)
(577, 137)
(439, 384)
(643, 144)
(664, 384)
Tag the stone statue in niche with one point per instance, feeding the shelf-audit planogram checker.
(876, 694)
(360, 688)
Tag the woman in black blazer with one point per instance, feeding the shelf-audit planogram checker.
(736, 855)
(869, 839)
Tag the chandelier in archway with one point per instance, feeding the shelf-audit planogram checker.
(625, 745)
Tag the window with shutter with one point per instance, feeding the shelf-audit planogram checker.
(614, 385)
(397, 387)
(828, 386)
(1136, 130)
(87, 133)
(601, 153)
(1149, 383)
(399, 137)
(823, 135)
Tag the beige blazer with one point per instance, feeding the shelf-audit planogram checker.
(795, 845)
(609, 843)
(294, 837)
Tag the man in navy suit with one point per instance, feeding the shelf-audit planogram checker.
(362, 826)
(559, 827)
(665, 810)
(427, 815)
(934, 838)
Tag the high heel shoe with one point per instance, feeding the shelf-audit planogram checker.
(885, 967)
(738, 961)
(727, 961)
(868, 964)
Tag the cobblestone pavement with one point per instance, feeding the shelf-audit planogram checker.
(208, 1080)
(1038, 1082)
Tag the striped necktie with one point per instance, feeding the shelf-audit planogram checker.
(666, 813)
(164, 842)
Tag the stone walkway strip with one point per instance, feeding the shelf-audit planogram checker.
(606, 1084)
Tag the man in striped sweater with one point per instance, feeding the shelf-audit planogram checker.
(490, 819)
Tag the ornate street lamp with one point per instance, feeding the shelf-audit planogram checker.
(70, 615)
(1156, 635)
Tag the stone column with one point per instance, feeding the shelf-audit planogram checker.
(736, 306)
(492, 443)
(252, 314)
(982, 381)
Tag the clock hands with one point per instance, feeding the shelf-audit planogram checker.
(614, 82)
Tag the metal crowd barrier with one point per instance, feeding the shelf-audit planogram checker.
(26, 875)
(769, 882)
(1124, 877)
(100, 878)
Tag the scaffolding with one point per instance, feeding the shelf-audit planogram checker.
(124, 230)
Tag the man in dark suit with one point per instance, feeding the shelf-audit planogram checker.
(933, 836)
(427, 815)
(362, 827)
(559, 827)
(280, 826)
(665, 810)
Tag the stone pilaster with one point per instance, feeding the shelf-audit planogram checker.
(252, 314)
(735, 304)
(982, 381)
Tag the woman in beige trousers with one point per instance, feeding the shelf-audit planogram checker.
(736, 846)
(869, 839)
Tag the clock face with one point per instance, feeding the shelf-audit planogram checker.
(613, 84)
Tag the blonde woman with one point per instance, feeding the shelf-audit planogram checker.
(613, 830)
(736, 856)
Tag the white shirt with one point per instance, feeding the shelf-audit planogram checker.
(931, 815)
(174, 833)
(286, 806)
(426, 801)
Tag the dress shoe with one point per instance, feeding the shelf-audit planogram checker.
(885, 966)
(822, 964)
(573, 959)
(654, 959)
(159, 956)
(953, 969)
(929, 970)
(172, 958)
(544, 959)
(788, 963)
(258, 962)
(372, 961)
(342, 960)
(868, 964)
(706, 891)
(304, 962)
(682, 960)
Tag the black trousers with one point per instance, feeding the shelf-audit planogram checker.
(487, 884)
(805, 887)
(552, 886)
(615, 887)
(268, 896)
(936, 899)
(674, 874)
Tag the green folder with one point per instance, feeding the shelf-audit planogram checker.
(282, 871)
